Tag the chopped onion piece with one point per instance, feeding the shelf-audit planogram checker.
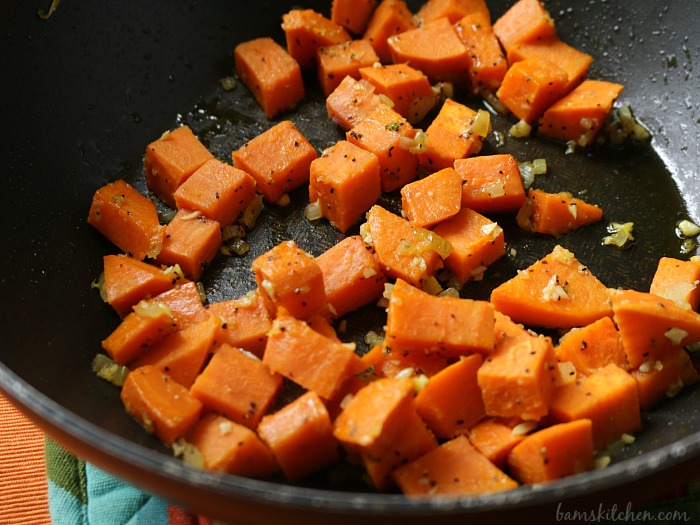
(521, 130)
(99, 283)
(313, 211)
(688, 229)
(188, 452)
(152, 309)
(252, 212)
(108, 370)
(539, 166)
(620, 234)
(482, 123)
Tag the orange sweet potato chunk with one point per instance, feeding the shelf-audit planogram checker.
(677, 280)
(352, 276)
(229, 447)
(517, 378)
(127, 218)
(450, 136)
(390, 18)
(580, 114)
(289, 277)
(341, 60)
(432, 199)
(557, 292)
(127, 281)
(592, 346)
(408, 88)
(492, 183)
(449, 326)
(220, 191)
(556, 213)
(185, 304)
(171, 159)
(664, 378)
(300, 436)
(382, 132)
(476, 242)
(495, 438)
(344, 182)
(486, 62)
(454, 468)
(608, 397)
(531, 86)
(351, 102)
(525, 21)
(278, 159)
(307, 30)
(453, 10)
(159, 404)
(434, 49)
(245, 322)
(192, 241)
(237, 385)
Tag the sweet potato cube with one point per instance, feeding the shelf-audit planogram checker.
(382, 132)
(383, 361)
(185, 304)
(308, 358)
(491, 183)
(531, 86)
(555, 213)
(517, 378)
(351, 102)
(450, 403)
(404, 251)
(300, 436)
(525, 21)
(127, 219)
(171, 159)
(432, 199)
(289, 277)
(161, 405)
(453, 468)
(665, 378)
(434, 49)
(556, 292)
(278, 159)
(181, 355)
(353, 15)
(382, 426)
(592, 346)
(229, 447)
(651, 326)
(352, 276)
(678, 281)
(408, 88)
(580, 114)
(574, 62)
(608, 397)
(137, 333)
(245, 322)
(495, 438)
(453, 10)
(306, 30)
(486, 63)
(390, 18)
(448, 326)
(237, 385)
(344, 183)
(341, 60)
(220, 191)
(476, 243)
(192, 241)
(450, 136)
(554, 452)
(270, 73)
(127, 281)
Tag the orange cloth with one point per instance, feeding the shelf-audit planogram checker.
(23, 485)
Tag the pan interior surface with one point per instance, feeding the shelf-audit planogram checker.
(94, 84)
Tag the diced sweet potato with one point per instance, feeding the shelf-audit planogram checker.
(432, 199)
(300, 436)
(220, 191)
(592, 346)
(453, 10)
(192, 241)
(525, 21)
(245, 322)
(678, 281)
(270, 73)
(351, 102)
(476, 242)
(492, 183)
(556, 213)
(306, 30)
(495, 438)
(237, 385)
(390, 18)
(289, 277)
(127, 219)
(486, 63)
(171, 159)
(353, 15)
(341, 60)
(344, 183)
(161, 405)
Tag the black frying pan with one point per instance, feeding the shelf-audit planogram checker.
(83, 93)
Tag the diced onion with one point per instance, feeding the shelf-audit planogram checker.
(482, 123)
(313, 211)
(688, 229)
(108, 370)
(520, 130)
(152, 309)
